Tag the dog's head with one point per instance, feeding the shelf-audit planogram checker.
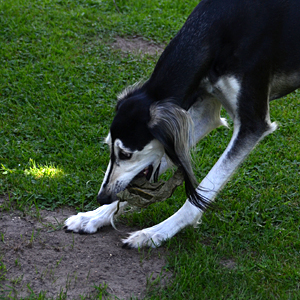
(141, 132)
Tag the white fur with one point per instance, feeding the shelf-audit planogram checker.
(123, 171)
(227, 89)
(224, 167)
(205, 114)
(91, 221)
(153, 237)
(108, 139)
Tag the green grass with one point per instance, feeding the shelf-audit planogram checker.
(58, 84)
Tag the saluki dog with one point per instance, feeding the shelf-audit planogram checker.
(236, 54)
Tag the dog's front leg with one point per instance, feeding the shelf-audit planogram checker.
(238, 148)
(91, 221)
(154, 236)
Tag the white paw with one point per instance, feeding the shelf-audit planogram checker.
(79, 223)
(156, 235)
(143, 238)
(91, 221)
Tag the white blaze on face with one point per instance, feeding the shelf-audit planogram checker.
(126, 164)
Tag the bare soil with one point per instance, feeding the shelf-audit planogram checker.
(137, 45)
(39, 254)
(40, 257)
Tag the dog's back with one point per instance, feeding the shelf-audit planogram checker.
(224, 37)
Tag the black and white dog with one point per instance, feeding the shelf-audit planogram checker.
(239, 54)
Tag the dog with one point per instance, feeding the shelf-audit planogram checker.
(236, 54)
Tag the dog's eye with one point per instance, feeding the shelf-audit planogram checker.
(124, 155)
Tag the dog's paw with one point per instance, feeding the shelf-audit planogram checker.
(143, 238)
(80, 224)
(91, 221)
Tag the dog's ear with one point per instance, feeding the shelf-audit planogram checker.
(173, 127)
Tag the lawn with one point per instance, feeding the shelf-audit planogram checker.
(59, 79)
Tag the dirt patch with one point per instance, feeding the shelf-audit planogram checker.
(137, 45)
(39, 254)
(228, 263)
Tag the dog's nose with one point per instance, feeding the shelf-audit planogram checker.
(104, 199)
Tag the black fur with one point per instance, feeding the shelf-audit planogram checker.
(256, 41)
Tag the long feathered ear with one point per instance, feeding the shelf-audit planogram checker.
(173, 127)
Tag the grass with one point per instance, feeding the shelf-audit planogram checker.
(58, 84)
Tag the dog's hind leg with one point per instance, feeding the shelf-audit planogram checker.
(91, 221)
(205, 114)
